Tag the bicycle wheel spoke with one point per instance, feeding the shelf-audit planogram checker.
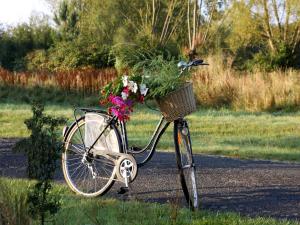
(73, 164)
(76, 149)
(74, 170)
(87, 174)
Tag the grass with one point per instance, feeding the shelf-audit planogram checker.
(11, 94)
(221, 132)
(218, 85)
(76, 210)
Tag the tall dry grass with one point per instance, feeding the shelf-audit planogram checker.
(219, 86)
(87, 80)
(216, 85)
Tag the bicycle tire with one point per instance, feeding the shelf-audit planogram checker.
(185, 163)
(102, 168)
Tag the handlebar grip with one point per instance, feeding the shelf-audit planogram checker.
(197, 62)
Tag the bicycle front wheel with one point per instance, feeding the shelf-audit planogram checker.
(91, 174)
(185, 163)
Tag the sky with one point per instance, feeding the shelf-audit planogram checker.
(13, 12)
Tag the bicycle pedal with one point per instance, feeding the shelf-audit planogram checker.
(123, 190)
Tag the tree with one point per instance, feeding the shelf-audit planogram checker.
(17, 42)
(66, 18)
(205, 20)
(278, 22)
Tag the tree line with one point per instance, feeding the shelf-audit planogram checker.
(248, 34)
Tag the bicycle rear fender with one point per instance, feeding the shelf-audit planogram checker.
(67, 129)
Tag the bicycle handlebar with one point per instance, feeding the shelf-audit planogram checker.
(183, 65)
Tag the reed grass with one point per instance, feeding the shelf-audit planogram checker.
(220, 86)
(85, 80)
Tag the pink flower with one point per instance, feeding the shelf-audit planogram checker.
(122, 108)
(116, 112)
(119, 113)
(117, 100)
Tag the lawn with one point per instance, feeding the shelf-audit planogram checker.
(222, 132)
(77, 210)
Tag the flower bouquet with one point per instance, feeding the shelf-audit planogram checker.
(122, 94)
(151, 79)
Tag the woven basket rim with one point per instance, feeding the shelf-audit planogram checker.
(178, 103)
(186, 84)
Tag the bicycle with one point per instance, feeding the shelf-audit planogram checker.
(96, 152)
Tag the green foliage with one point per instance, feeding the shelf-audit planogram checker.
(78, 53)
(42, 149)
(92, 33)
(66, 18)
(142, 49)
(17, 42)
(160, 76)
(42, 202)
(14, 208)
(269, 62)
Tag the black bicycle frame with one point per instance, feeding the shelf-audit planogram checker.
(151, 146)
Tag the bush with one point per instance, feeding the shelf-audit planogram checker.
(42, 147)
(43, 150)
(268, 61)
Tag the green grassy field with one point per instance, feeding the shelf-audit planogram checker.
(223, 132)
(76, 210)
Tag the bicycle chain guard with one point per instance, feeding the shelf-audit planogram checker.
(126, 169)
(126, 166)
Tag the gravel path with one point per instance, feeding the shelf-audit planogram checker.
(249, 187)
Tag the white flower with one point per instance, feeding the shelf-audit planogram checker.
(132, 86)
(125, 80)
(143, 89)
(124, 95)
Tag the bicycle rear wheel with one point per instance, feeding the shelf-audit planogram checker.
(90, 175)
(185, 163)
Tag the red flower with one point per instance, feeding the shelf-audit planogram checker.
(126, 90)
(141, 98)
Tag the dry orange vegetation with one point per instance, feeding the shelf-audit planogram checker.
(219, 86)
(87, 79)
(214, 86)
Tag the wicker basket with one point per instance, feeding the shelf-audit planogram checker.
(178, 103)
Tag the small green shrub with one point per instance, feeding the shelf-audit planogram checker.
(43, 150)
(42, 147)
